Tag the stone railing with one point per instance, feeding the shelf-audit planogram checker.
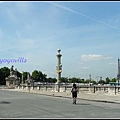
(67, 88)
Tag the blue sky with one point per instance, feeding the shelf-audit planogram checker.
(88, 34)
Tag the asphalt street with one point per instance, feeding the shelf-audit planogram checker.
(15, 104)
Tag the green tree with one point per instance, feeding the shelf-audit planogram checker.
(82, 80)
(64, 80)
(52, 80)
(38, 76)
(70, 80)
(107, 80)
(101, 82)
(87, 81)
(93, 81)
(45, 78)
(4, 72)
(75, 80)
(35, 75)
(19, 75)
(25, 74)
(113, 80)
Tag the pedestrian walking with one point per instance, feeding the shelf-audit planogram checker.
(74, 93)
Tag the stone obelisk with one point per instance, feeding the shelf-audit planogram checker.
(118, 75)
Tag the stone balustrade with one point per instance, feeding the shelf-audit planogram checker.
(67, 88)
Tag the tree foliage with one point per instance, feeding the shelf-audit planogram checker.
(51, 80)
(4, 72)
(64, 80)
(107, 80)
(25, 75)
(38, 76)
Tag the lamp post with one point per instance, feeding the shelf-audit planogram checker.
(118, 75)
(97, 78)
(22, 77)
(90, 80)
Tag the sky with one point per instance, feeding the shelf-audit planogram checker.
(87, 32)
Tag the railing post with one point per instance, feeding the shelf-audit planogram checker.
(94, 89)
(78, 88)
(115, 89)
(29, 88)
(104, 88)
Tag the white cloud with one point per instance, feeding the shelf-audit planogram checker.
(112, 63)
(85, 67)
(92, 57)
(79, 13)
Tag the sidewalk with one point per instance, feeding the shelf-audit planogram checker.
(98, 96)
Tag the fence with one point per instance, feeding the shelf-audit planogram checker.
(67, 88)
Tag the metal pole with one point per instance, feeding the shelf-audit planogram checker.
(22, 77)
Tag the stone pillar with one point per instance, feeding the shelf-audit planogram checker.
(58, 70)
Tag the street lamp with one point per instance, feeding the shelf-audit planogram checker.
(22, 77)
(97, 78)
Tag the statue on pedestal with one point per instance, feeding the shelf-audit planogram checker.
(12, 79)
(11, 70)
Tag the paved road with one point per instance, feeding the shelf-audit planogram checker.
(15, 104)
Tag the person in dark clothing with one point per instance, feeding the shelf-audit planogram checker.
(74, 93)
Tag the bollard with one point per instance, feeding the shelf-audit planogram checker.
(104, 88)
(118, 89)
(78, 89)
(115, 89)
(94, 89)
(29, 88)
